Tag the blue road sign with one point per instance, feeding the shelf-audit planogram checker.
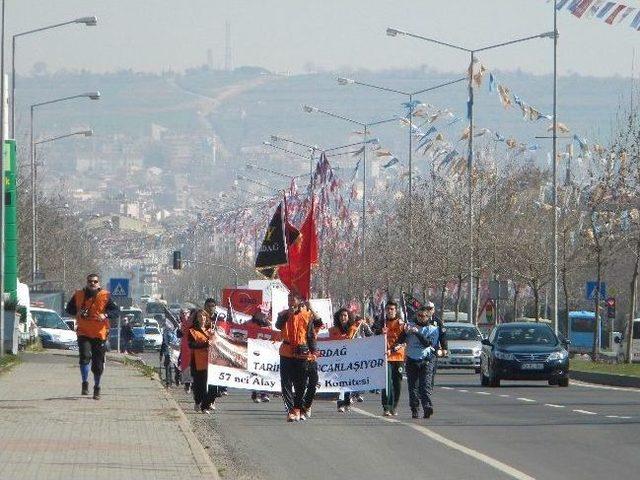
(119, 287)
(591, 290)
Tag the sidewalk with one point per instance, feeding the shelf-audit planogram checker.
(49, 431)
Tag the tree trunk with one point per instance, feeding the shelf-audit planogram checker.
(536, 301)
(442, 293)
(596, 324)
(458, 296)
(516, 291)
(565, 292)
(632, 311)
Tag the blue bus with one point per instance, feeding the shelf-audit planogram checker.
(580, 331)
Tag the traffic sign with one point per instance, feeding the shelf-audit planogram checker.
(119, 287)
(591, 290)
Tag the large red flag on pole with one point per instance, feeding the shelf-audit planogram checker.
(303, 255)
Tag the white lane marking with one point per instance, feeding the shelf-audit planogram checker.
(525, 399)
(618, 416)
(604, 387)
(497, 464)
(504, 395)
(553, 405)
(463, 391)
(586, 412)
(482, 393)
(447, 388)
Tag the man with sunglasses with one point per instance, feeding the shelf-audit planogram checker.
(94, 309)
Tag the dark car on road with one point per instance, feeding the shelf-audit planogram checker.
(524, 351)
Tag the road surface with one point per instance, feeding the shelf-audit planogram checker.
(522, 430)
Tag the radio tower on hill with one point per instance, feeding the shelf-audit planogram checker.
(227, 47)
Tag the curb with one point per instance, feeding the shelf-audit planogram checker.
(200, 455)
(605, 379)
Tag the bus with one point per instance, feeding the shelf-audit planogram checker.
(580, 331)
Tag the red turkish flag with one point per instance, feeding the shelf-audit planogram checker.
(303, 255)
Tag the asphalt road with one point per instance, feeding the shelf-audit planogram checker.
(521, 430)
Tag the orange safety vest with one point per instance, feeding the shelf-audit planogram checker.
(294, 333)
(394, 330)
(199, 356)
(91, 326)
(336, 333)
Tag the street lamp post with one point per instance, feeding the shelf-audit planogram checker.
(411, 96)
(85, 133)
(90, 95)
(365, 126)
(393, 32)
(2, 189)
(251, 166)
(87, 21)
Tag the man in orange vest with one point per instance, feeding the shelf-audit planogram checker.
(393, 327)
(297, 343)
(93, 308)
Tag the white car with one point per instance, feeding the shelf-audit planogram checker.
(53, 331)
(152, 337)
(151, 322)
(464, 342)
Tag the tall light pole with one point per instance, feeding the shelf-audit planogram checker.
(312, 148)
(89, 95)
(411, 96)
(555, 169)
(393, 32)
(2, 189)
(251, 166)
(85, 133)
(365, 126)
(87, 21)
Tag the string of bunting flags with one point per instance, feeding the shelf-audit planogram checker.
(611, 13)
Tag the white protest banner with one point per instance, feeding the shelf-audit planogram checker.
(343, 366)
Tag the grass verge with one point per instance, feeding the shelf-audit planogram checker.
(8, 361)
(146, 370)
(630, 370)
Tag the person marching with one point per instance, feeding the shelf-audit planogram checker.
(422, 338)
(260, 320)
(296, 337)
(311, 374)
(442, 348)
(344, 328)
(94, 309)
(184, 359)
(393, 327)
(199, 335)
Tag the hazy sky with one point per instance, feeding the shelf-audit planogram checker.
(155, 35)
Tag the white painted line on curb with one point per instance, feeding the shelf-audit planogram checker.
(526, 399)
(497, 464)
(586, 412)
(553, 405)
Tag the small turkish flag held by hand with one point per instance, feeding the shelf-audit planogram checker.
(303, 255)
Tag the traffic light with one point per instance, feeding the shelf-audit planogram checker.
(611, 307)
(177, 260)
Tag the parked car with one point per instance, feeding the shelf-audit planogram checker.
(152, 338)
(137, 342)
(151, 322)
(71, 322)
(464, 346)
(175, 308)
(524, 351)
(53, 331)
